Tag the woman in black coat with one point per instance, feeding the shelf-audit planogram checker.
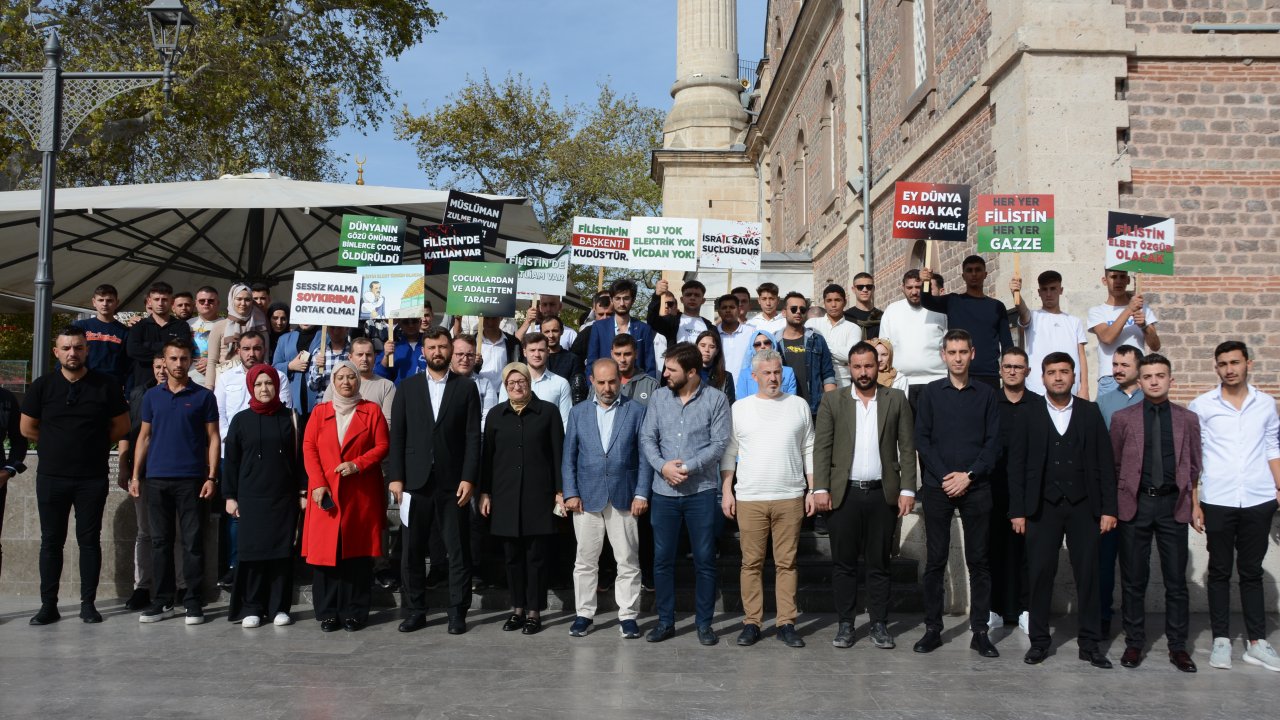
(265, 487)
(520, 492)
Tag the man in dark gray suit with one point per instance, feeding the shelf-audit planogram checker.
(435, 460)
(603, 475)
(864, 475)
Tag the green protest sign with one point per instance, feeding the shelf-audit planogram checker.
(1015, 223)
(370, 240)
(481, 288)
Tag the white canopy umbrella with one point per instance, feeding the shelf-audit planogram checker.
(259, 228)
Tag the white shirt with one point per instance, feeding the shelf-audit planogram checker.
(691, 326)
(840, 337)
(866, 466)
(604, 422)
(773, 327)
(552, 388)
(435, 388)
(232, 394)
(1237, 446)
(735, 346)
(771, 445)
(1061, 417)
(916, 334)
(1050, 333)
(494, 357)
(1130, 335)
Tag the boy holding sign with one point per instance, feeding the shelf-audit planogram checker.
(1123, 319)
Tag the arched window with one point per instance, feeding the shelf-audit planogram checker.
(827, 131)
(799, 190)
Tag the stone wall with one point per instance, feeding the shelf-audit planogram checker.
(1177, 16)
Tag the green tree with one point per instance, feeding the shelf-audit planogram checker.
(264, 84)
(509, 138)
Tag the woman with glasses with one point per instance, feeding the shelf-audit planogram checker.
(747, 386)
(520, 492)
(713, 372)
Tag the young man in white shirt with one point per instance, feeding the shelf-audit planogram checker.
(1123, 319)
(735, 336)
(768, 319)
(916, 333)
(1236, 499)
(1049, 330)
(771, 447)
(840, 333)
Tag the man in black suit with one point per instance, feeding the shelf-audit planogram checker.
(1062, 483)
(435, 460)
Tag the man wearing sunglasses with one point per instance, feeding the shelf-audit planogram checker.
(806, 353)
(863, 312)
(201, 325)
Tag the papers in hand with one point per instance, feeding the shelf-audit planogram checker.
(405, 499)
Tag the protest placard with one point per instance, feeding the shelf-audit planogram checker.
(601, 243)
(663, 243)
(1139, 243)
(731, 245)
(370, 240)
(544, 269)
(1015, 223)
(485, 289)
(467, 208)
(930, 211)
(325, 298)
(391, 292)
(442, 243)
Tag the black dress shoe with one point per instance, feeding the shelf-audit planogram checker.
(660, 632)
(139, 600)
(352, 625)
(1132, 657)
(1035, 655)
(415, 621)
(513, 623)
(457, 623)
(1182, 660)
(749, 636)
(89, 614)
(982, 643)
(330, 624)
(46, 615)
(532, 626)
(931, 641)
(1096, 658)
(707, 636)
(789, 637)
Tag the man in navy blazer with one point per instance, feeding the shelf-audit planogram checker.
(603, 473)
(623, 296)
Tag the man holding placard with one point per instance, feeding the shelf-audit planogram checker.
(1049, 330)
(1124, 319)
(984, 318)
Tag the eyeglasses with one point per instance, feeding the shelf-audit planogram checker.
(798, 309)
(207, 301)
(864, 287)
(517, 383)
(465, 356)
(765, 344)
(1013, 367)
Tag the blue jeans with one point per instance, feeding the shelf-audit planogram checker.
(698, 513)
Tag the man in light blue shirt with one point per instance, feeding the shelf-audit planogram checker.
(1124, 369)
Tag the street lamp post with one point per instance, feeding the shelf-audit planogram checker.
(38, 100)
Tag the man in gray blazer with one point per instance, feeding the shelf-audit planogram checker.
(605, 489)
(864, 475)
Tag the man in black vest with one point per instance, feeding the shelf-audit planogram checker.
(1062, 484)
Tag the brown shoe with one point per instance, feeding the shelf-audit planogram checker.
(1131, 658)
(1182, 660)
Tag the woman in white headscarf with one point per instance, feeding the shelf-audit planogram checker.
(242, 315)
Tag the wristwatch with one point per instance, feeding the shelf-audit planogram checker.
(970, 474)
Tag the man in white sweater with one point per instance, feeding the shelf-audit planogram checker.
(771, 448)
(916, 333)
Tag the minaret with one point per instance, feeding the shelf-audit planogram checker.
(706, 112)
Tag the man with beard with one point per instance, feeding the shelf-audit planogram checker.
(916, 333)
(864, 477)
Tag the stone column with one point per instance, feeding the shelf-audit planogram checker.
(706, 112)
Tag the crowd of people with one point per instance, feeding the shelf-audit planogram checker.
(416, 445)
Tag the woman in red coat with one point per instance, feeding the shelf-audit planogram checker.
(345, 443)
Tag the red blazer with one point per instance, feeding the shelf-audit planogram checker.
(1128, 440)
(360, 500)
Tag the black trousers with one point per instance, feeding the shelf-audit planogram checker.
(428, 508)
(1007, 551)
(529, 569)
(1045, 532)
(975, 514)
(265, 587)
(1237, 536)
(913, 395)
(344, 590)
(175, 510)
(4, 493)
(1154, 519)
(56, 497)
(864, 522)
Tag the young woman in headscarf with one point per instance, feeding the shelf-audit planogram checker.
(889, 375)
(520, 488)
(343, 448)
(713, 372)
(264, 486)
(242, 315)
(746, 383)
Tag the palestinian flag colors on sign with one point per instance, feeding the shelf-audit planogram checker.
(1140, 243)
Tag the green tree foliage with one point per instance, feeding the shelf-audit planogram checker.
(509, 138)
(264, 84)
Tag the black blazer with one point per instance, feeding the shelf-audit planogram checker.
(421, 445)
(1028, 453)
(520, 469)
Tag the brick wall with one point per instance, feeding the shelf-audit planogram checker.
(1177, 16)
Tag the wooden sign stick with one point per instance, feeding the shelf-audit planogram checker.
(600, 279)
(391, 361)
(928, 262)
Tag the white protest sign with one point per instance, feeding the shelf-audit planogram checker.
(391, 291)
(325, 298)
(731, 245)
(663, 243)
(601, 243)
(544, 269)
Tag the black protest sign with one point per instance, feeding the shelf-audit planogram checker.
(442, 243)
(466, 208)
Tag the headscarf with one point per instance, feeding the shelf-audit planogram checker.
(251, 376)
(887, 377)
(271, 310)
(344, 408)
(237, 325)
(518, 367)
(746, 385)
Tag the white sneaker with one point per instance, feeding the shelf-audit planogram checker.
(1220, 657)
(251, 621)
(282, 619)
(994, 621)
(1261, 653)
(1024, 622)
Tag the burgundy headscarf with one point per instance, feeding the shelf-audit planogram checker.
(256, 405)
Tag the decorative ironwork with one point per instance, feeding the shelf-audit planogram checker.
(22, 99)
(81, 97)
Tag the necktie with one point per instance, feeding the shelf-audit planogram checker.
(1156, 448)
